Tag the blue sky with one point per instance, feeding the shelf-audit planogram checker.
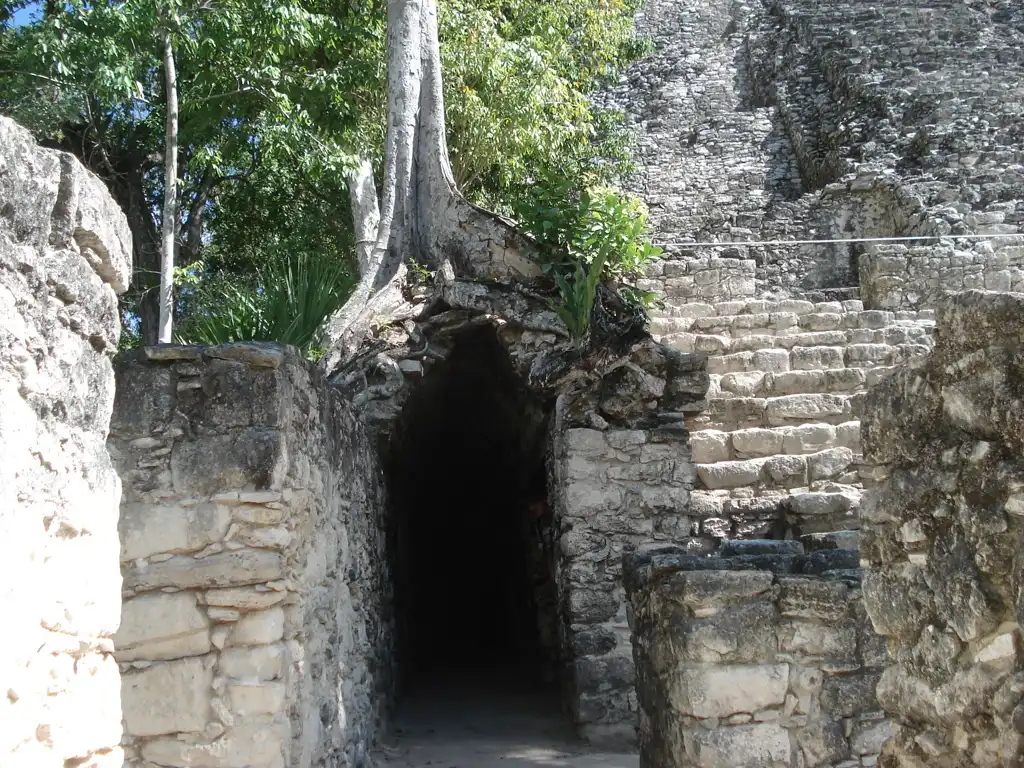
(24, 16)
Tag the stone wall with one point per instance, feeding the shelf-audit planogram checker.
(65, 251)
(941, 537)
(256, 626)
(612, 491)
(758, 657)
(619, 469)
(794, 119)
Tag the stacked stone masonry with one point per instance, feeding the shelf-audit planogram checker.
(615, 491)
(942, 540)
(619, 471)
(255, 630)
(65, 252)
(793, 119)
(760, 656)
(799, 120)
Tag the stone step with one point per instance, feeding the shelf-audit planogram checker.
(733, 413)
(795, 382)
(866, 318)
(752, 339)
(798, 513)
(710, 446)
(778, 360)
(783, 471)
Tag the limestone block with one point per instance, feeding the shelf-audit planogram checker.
(245, 598)
(813, 599)
(816, 639)
(760, 745)
(815, 358)
(258, 628)
(846, 695)
(162, 626)
(874, 318)
(869, 355)
(243, 746)
(712, 345)
(772, 360)
(709, 446)
(259, 662)
(848, 435)
(168, 697)
(822, 743)
(740, 633)
(753, 341)
(808, 438)
(756, 442)
(784, 471)
(814, 340)
(244, 566)
(600, 674)
(829, 463)
(583, 498)
(148, 529)
(723, 690)
(869, 737)
(737, 362)
(264, 698)
(743, 384)
(796, 382)
(210, 463)
(782, 410)
(735, 411)
(796, 306)
(591, 606)
(729, 474)
(821, 321)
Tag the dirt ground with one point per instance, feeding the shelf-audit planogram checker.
(484, 723)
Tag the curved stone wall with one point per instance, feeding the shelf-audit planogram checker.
(65, 252)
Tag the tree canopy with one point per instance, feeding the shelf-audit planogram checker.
(279, 101)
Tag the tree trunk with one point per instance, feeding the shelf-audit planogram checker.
(170, 217)
(365, 213)
(422, 214)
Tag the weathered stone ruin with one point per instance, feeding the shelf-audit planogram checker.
(941, 539)
(472, 491)
(786, 121)
(65, 252)
(256, 624)
(760, 655)
(489, 394)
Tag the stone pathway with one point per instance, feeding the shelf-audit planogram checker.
(482, 723)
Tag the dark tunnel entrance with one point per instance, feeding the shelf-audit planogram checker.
(474, 594)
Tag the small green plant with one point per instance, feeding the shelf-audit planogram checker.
(597, 234)
(578, 294)
(287, 300)
(419, 272)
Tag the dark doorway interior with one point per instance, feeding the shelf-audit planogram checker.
(466, 478)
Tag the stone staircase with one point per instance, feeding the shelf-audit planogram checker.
(778, 448)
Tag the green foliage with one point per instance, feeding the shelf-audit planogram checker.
(288, 301)
(518, 74)
(277, 100)
(598, 234)
(578, 293)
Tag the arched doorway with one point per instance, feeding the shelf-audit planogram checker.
(474, 592)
